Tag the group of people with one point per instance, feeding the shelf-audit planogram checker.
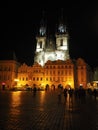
(79, 93)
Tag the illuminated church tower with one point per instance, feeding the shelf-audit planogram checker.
(62, 47)
(47, 48)
(41, 44)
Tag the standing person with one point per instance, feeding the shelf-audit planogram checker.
(59, 95)
(34, 90)
(70, 92)
(95, 93)
(65, 94)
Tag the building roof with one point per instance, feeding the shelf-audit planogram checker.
(8, 55)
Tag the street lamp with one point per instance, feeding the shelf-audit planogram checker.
(16, 80)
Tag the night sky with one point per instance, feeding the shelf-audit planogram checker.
(19, 26)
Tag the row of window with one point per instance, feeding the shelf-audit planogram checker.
(66, 72)
(46, 79)
(5, 69)
(59, 67)
(40, 43)
(62, 72)
(9, 68)
(5, 77)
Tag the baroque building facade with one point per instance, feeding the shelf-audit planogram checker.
(8, 73)
(52, 65)
(67, 73)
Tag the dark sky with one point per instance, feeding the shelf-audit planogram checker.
(19, 25)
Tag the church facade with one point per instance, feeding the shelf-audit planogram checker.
(49, 49)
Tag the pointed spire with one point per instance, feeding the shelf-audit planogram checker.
(42, 29)
(62, 17)
(14, 56)
(42, 23)
(61, 26)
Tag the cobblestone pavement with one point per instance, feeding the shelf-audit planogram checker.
(43, 111)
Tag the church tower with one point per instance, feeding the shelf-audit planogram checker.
(49, 49)
(62, 40)
(41, 43)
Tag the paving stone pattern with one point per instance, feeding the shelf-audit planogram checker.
(44, 111)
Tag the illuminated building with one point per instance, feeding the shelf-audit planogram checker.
(49, 49)
(8, 73)
(67, 73)
(52, 65)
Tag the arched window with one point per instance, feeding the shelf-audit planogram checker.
(40, 43)
(61, 42)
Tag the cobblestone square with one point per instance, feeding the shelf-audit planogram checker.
(23, 110)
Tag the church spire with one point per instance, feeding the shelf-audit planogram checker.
(61, 27)
(62, 17)
(42, 29)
